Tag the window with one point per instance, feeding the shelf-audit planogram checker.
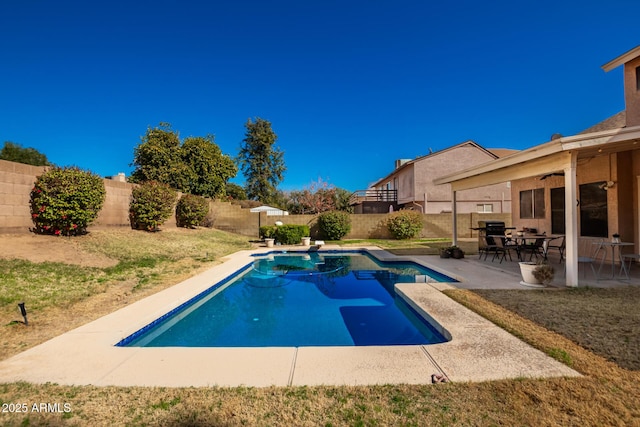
(593, 210)
(532, 203)
(557, 211)
(484, 207)
(637, 78)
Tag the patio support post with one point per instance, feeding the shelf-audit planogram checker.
(571, 222)
(454, 223)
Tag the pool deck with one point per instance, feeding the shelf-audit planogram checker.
(479, 350)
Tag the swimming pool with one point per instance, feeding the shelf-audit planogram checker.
(295, 299)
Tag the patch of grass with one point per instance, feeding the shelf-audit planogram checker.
(412, 246)
(560, 355)
(603, 320)
(164, 405)
(45, 284)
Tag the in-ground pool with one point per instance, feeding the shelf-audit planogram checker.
(294, 299)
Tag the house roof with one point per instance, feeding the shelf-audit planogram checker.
(616, 121)
(437, 153)
(622, 59)
(502, 152)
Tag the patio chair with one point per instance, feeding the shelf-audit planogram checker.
(503, 248)
(627, 267)
(558, 247)
(485, 248)
(536, 248)
(592, 249)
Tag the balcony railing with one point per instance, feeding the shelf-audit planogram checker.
(373, 196)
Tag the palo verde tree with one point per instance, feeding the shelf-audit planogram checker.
(16, 153)
(196, 166)
(260, 161)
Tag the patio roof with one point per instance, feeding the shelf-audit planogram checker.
(552, 156)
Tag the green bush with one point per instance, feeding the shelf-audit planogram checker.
(268, 232)
(191, 211)
(151, 205)
(334, 225)
(65, 201)
(290, 234)
(405, 224)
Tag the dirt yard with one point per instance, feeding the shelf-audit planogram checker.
(37, 248)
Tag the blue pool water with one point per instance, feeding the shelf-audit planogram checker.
(299, 299)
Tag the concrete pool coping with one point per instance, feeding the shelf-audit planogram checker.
(479, 350)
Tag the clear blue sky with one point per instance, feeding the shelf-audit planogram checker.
(349, 86)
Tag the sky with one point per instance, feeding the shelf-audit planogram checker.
(349, 86)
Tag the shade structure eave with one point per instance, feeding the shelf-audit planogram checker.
(556, 162)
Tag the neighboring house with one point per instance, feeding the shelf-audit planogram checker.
(411, 186)
(585, 186)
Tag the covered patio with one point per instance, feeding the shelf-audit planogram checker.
(609, 158)
(480, 273)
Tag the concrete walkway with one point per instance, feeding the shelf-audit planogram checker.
(477, 351)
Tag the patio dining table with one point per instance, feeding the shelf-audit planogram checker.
(529, 241)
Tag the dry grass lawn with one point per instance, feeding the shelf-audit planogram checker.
(607, 395)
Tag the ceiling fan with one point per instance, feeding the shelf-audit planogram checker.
(543, 177)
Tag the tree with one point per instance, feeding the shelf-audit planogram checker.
(158, 158)
(317, 198)
(196, 166)
(341, 198)
(16, 153)
(262, 164)
(208, 168)
(235, 191)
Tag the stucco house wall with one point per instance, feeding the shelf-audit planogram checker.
(416, 189)
(621, 168)
(632, 91)
(405, 183)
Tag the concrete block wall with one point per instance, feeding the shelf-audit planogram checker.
(228, 217)
(115, 210)
(372, 226)
(16, 182)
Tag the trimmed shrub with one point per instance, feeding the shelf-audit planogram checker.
(66, 200)
(268, 232)
(334, 225)
(151, 205)
(405, 224)
(191, 211)
(290, 234)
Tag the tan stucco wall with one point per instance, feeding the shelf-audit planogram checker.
(621, 198)
(631, 92)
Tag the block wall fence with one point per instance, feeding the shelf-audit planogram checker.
(17, 180)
